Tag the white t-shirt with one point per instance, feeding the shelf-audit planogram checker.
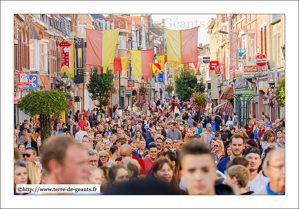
(79, 135)
(258, 183)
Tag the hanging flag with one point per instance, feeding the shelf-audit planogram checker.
(125, 63)
(161, 76)
(156, 67)
(142, 63)
(182, 45)
(100, 49)
(117, 65)
(187, 66)
(162, 60)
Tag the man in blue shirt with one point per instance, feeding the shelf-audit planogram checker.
(274, 166)
(268, 123)
(190, 122)
(237, 145)
(215, 125)
(152, 138)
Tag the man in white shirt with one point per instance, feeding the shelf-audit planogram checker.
(256, 181)
(80, 134)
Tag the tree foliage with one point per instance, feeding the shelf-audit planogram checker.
(44, 104)
(100, 85)
(143, 91)
(278, 94)
(185, 85)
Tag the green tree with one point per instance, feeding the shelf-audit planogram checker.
(185, 85)
(202, 86)
(100, 85)
(44, 104)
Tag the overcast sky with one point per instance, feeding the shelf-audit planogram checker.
(187, 21)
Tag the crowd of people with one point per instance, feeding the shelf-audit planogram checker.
(164, 147)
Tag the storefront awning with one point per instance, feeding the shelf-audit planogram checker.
(225, 107)
(33, 33)
(226, 92)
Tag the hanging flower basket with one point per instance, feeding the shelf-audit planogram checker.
(143, 91)
(169, 89)
(198, 101)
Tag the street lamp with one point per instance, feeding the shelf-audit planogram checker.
(64, 78)
(198, 76)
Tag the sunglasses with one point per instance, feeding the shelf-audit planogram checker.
(167, 143)
(26, 155)
(216, 145)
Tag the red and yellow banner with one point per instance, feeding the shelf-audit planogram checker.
(142, 63)
(182, 45)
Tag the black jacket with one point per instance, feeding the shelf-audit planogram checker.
(222, 189)
(33, 144)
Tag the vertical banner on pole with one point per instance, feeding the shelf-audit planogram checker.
(71, 59)
(234, 51)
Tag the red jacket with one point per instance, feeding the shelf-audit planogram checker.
(85, 114)
(140, 161)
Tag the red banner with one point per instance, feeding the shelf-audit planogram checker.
(23, 78)
(64, 55)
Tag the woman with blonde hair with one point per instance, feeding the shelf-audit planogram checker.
(94, 175)
(16, 141)
(104, 157)
(100, 146)
(34, 172)
(243, 133)
(133, 167)
(107, 147)
(219, 151)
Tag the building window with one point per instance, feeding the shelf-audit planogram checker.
(276, 43)
(32, 54)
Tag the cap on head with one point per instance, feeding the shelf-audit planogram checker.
(252, 150)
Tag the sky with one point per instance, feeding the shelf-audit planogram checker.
(179, 22)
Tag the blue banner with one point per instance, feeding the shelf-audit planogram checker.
(161, 76)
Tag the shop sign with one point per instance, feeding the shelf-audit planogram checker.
(220, 69)
(213, 65)
(242, 54)
(23, 79)
(130, 83)
(265, 99)
(271, 78)
(17, 95)
(248, 92)
(281, 75)
(263, 84)
(33, 84)
(250, 70)
(261, 60)
(64, 58)
(206, 60)
(25, 93)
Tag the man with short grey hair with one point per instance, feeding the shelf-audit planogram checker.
(93, 157)
(207, 136)
(274, 168)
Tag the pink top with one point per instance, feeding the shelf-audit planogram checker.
(148, 164)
